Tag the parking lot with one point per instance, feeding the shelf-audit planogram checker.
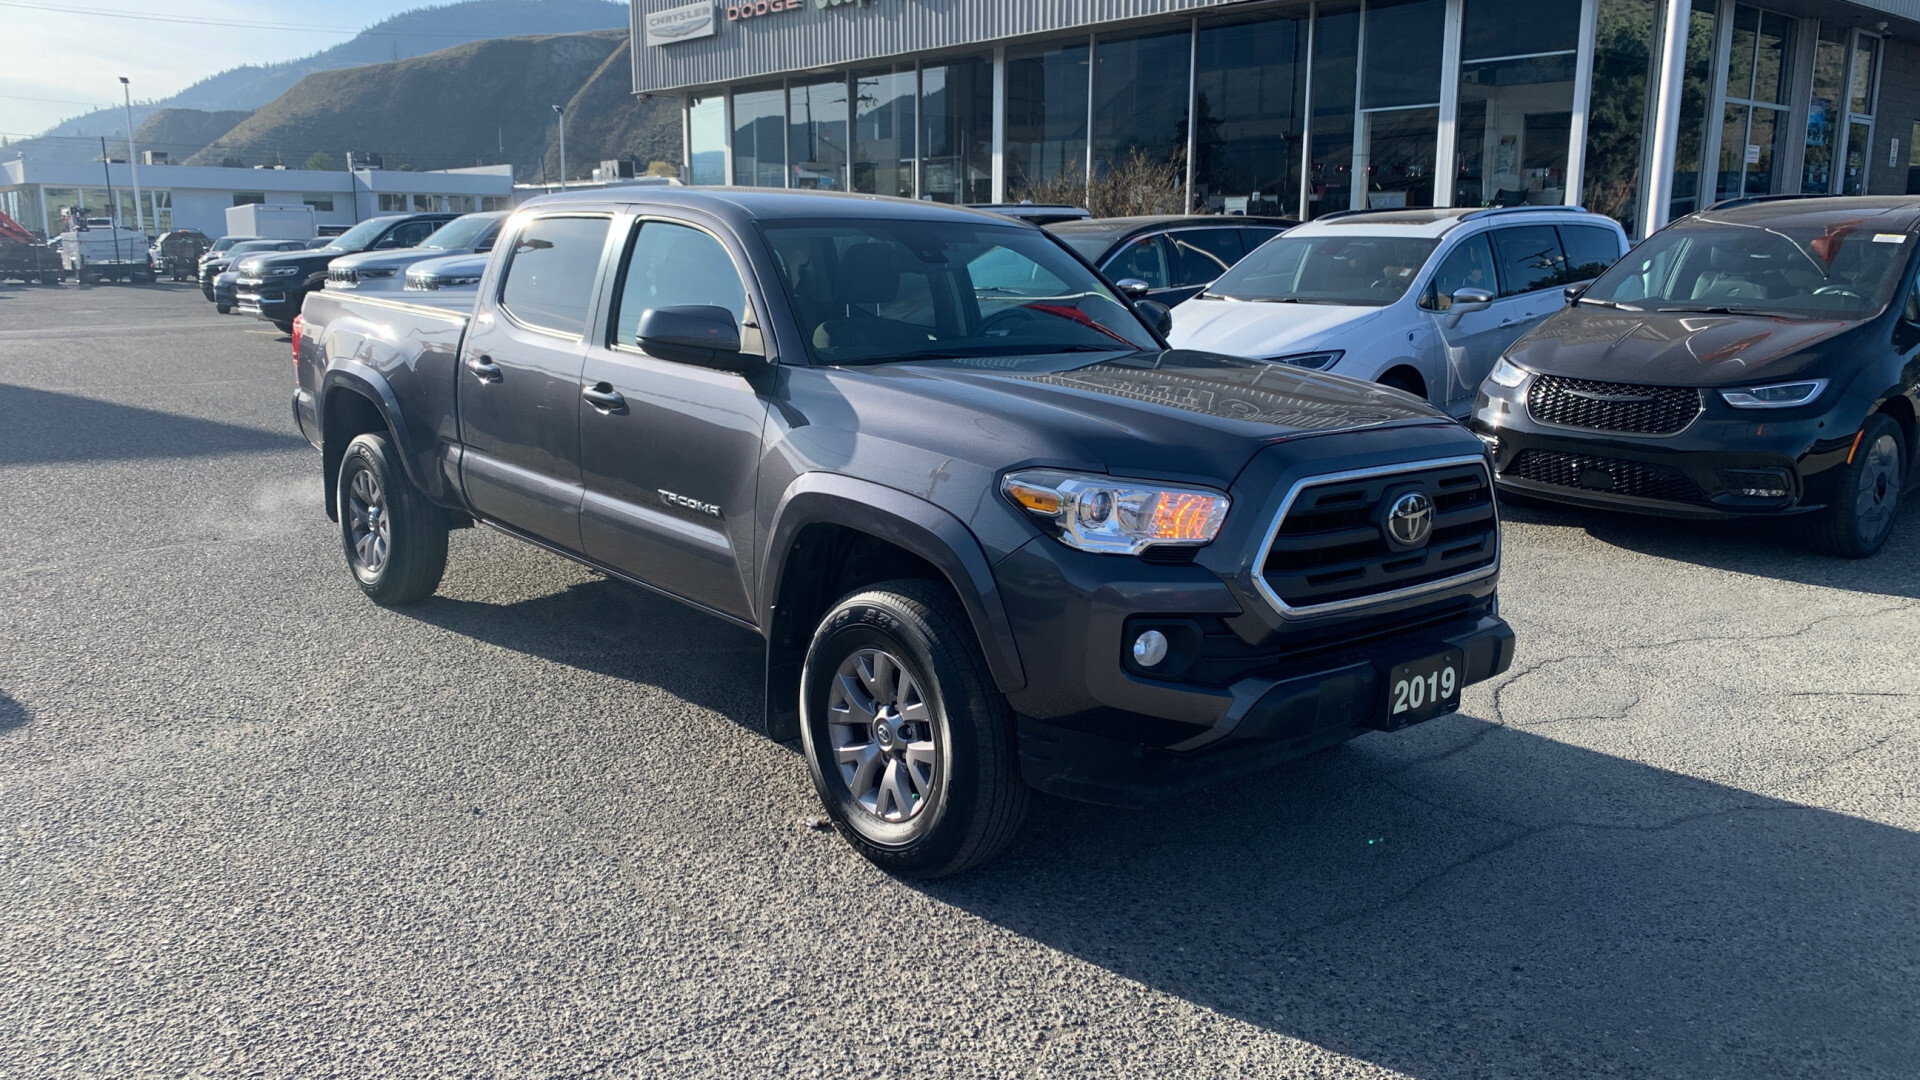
(260, 827)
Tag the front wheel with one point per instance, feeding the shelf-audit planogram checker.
(394, 539)
(909, 742)
(222, 308)
(1866, 495)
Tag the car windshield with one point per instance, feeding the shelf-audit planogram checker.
(1832, 268)
(1090, 245)
(254, 245)
(361, 236)
(1346, 269)
(877, 291)
(461, 233)
(225, 243)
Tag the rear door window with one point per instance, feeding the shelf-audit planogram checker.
(1201, 255)
(1144, 259)
(550, 279)
(1530, 258)
(1590, 250)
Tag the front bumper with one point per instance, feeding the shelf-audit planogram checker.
(269, 300)
(1727, 463)
(1097, 728)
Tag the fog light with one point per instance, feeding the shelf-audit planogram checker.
(1150, 648)
(1757, 483)
(1492, 443)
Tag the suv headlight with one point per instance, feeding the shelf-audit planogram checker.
(1319, 361)
(1508, 374)
(376, 272)
(279, 271)
(1119, 517)
(1777, 396)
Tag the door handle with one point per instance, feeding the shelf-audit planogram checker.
(484, 368)
(604, 397)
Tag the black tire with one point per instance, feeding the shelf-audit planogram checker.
(283, 327)
(1866, 495)
(208, 293)
(974, 797)
(222, 308)
(408, 565)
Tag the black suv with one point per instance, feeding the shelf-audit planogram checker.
(1761, 357)
(276, 286)
(995, 533)
(1170, 257)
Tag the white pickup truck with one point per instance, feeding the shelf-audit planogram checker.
(93, 249)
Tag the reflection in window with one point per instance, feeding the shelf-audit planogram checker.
(1336, 54)
(1516, 109)
(760, 138)
(1140, 97)
(1754, 126)
(707, 140)
(1046, 122)
(1250, 95)
(883, 126)
(956, 126)
(817, 128)
(1400, 93)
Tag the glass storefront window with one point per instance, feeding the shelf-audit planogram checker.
(1623, 59)
(760, 138)
(1250, 99)
(1696, 97)
(1400, 99)
(883, 127)
(1336, 55)
(1754, 124)
(1140, 97)
(956, 127)
(707, 140)
(1823, 111)
(1516, 109)
(1866, 51)
(1046, 123)
(817, 136)
(1859, 143)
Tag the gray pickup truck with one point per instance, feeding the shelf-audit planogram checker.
(996, 535)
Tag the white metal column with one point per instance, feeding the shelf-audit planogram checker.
(726, 117)
(1666, 119)
(1446, 170)
(686, 137)
(1306, 122)
(1193, 91)
(999, 124)
(1582, 102)
(1357, 178)
(1093, 62)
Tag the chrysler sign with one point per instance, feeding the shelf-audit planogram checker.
(677, 24)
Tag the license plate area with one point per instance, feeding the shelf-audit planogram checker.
(1421, 689)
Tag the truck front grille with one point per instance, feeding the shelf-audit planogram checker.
(1329, 550)
(1605, 406)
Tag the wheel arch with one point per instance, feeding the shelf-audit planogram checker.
(832, 534)
(354, 401)
(1898, 406)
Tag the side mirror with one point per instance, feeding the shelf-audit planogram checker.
(1471, 299)
(699, 334)
(1158, 315)
(1575, 292)
(1132, 287)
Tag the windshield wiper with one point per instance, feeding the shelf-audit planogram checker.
(1721, 309)
(1614, 304)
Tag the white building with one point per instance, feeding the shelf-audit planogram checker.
(197, 196)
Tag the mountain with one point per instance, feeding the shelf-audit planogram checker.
(410, 33)
(487, 102)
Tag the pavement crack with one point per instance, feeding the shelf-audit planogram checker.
(657, 1044)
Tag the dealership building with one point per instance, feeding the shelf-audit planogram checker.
(1642, 109)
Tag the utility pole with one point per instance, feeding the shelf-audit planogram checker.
(113, 204)
(133, 159)
(562, 117)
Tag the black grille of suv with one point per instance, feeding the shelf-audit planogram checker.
(1604, 406)
(1330, 547)
(1589, 473)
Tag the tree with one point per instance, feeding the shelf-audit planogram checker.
(319, 161)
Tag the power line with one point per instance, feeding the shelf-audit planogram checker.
(243, 24)
(56, 101)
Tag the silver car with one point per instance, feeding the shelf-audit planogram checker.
(385, 270)
(1421, 300)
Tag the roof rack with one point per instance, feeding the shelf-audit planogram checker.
(1524, 208)
(1749, 200)
(1338, 214)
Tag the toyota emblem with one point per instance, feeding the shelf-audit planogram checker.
(1410, 520)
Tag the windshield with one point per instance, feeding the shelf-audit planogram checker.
(245, 246)
(223, 244)
(360, 236)
(1359, 271)
(869, 291)
(1837, 268)
(462, 232)
(1090, 245)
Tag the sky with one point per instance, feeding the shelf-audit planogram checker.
(59, 58)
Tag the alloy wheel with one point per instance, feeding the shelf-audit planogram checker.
(1879, 492)
(884, 738)
(370, 529)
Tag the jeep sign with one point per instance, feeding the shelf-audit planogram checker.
(683, 23)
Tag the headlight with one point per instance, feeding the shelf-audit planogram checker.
(1508, 374)
(1777, 396)
(280, 271)
(1100, 513)
(376, 272)
(1319, 361)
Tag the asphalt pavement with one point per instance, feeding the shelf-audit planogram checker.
(253, 826)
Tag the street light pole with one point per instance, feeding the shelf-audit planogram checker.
(133, 158)
(562, 117)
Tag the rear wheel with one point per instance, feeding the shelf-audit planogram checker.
(395, 540)
(1866, 495)
(910, 743)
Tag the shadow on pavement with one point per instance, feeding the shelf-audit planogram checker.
(40, 427)
(1763, 547)
(1528, 909)
(616, 629)
(12, 713)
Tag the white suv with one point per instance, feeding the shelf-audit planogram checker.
(1421, 300)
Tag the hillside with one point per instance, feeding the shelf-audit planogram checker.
(181, 133)
(482, 103)
(408, 34)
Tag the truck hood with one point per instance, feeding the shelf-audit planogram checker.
(1147, 413)
(1250, 328)
(311, 262)
(393, 259)
(1586, 341)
